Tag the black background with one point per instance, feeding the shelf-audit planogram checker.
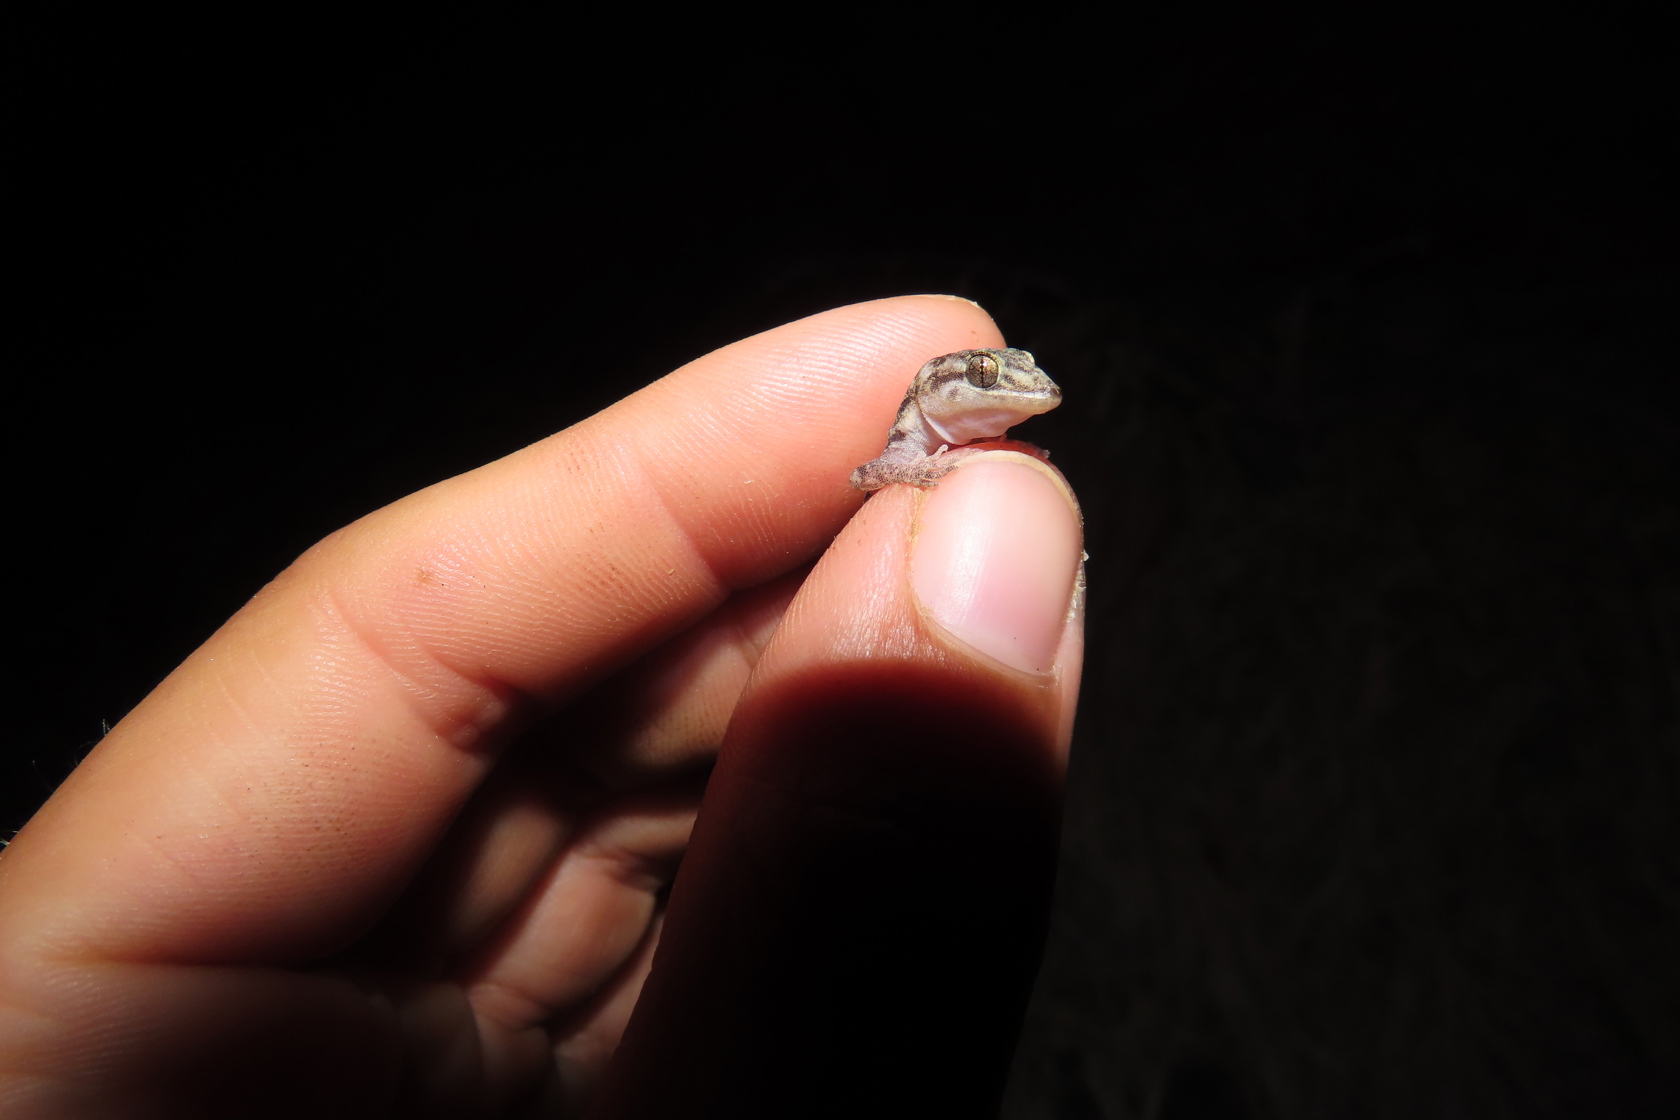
(1366, 333)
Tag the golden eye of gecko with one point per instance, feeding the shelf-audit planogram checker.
(982, 372)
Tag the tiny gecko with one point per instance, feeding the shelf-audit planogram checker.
(956, 399)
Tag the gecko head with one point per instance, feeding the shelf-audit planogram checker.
(977, 394)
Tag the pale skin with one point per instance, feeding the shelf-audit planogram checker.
(394, 840)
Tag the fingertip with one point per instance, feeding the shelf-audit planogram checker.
(958, 313)
(996, 558)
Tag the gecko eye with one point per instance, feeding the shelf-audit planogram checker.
(982, 371)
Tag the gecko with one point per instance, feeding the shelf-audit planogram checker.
(956, 399)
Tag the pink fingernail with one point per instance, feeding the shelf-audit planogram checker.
(996, 553)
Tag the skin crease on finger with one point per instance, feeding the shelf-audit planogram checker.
(656, 723)
(272, 798)
(528, 844)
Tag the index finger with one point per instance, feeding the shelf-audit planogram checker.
(275, 792)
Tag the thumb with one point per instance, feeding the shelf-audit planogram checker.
(861, 910)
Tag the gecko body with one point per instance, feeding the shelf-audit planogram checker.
(957, 399)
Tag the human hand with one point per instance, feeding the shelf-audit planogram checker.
(396, 839)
